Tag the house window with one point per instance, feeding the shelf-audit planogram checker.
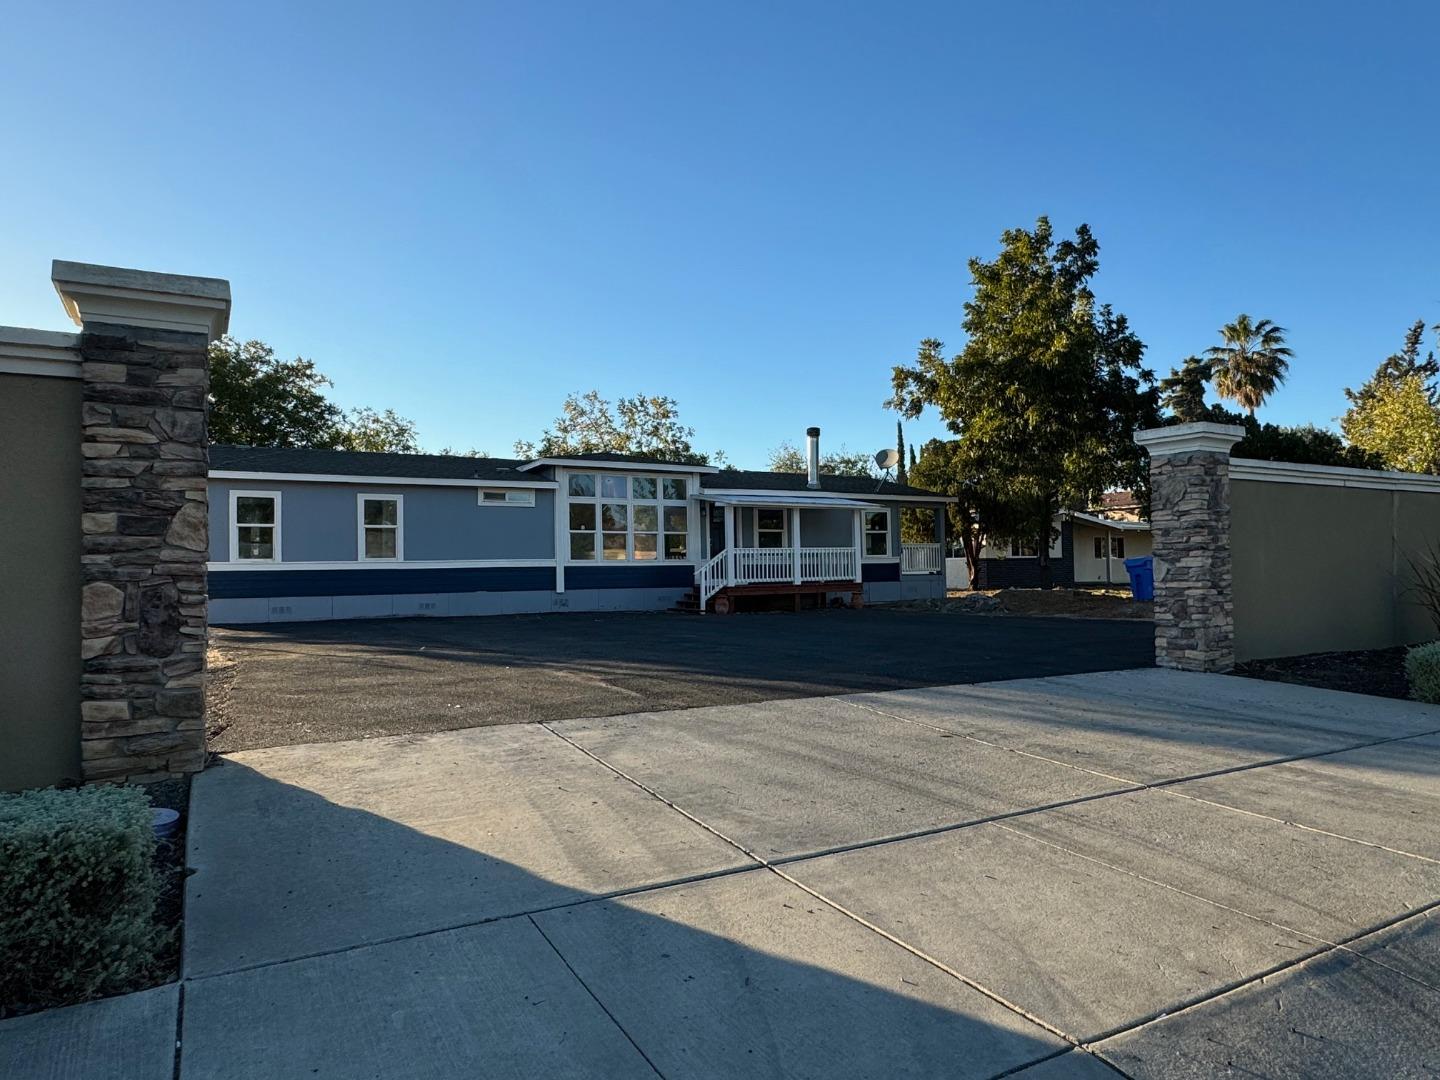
(877, 532)
(1117, 547)
(618, 518)
(507, 497)
(1023, 549)
(381, 520)
(769, 527)
(255, 526)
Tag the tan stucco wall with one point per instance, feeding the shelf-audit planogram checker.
(1090, 570)
(39, 580)
(1320, 568)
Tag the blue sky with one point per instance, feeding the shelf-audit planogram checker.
(464, 212)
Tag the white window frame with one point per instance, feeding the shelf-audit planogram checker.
(515, 498)
(784, 525)
(399, 526)
(866, 531)
(235, 496)
(598, 501)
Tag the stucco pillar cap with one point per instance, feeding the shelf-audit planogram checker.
(112, 294)
(1198, 437)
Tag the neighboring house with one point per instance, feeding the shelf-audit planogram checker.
(324, 534)
(1090, 548)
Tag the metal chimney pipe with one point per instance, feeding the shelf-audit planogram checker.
(812, 456)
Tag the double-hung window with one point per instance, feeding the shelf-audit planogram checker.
(877, 533)
(769, 527)
(620, 518)
(254, 526)
(381, 521)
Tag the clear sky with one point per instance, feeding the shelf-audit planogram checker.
(464, 212)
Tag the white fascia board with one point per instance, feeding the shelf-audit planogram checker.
(1284, 472)
(1107, 523)
(377, 481)
(811, 495)
(377, 564)
(582, 465)
(39, 352)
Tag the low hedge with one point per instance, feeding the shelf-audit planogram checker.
(1422, 671)
(77, 895)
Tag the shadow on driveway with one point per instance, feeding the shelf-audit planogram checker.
(321, 682)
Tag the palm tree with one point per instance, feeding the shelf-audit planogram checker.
(1251, 363)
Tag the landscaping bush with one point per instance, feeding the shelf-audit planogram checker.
(1422, 671)
(77, 895)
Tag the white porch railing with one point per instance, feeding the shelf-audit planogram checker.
(710, 578)
(773, 566)
(921, 559)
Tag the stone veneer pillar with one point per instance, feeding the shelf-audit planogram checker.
(1190, 529)
(144, 515)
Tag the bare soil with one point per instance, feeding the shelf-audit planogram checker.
(1379, 672)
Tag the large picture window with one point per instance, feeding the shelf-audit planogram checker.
(877, 533)
(381, 525)
(621, 518)
(254, 526)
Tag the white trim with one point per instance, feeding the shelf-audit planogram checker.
(755, 525)
(399, 526)
(1284, 472)
(1107, 523)
(866, 532)
(1202, 436)
(234, 549)
(804, 498)
(640, 467)
(379, 481)
(113, 294)
(560, 527)
(39, 352)
(382, 564)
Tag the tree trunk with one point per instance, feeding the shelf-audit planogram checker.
(1047, 577)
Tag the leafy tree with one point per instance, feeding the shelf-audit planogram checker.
(257, 399)
(1251, 361)
(378, 432)
(1305, 444)
(1183, 391)
(449, 451)
(1049, 390)
(789, 458)
(1396, 412)
(944, 466)
(646, 426)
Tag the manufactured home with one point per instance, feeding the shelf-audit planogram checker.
(301, 534)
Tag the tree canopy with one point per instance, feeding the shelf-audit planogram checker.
(257, 399)
(789, 458)
(644, 425)
(1250, 362)
(1049, 390)
(1395, 414)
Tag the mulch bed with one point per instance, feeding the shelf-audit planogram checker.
(1378, 672)
(1057, 603)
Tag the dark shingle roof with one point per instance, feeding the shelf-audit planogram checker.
(277, 459)
(778, 481)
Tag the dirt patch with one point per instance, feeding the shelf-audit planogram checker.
(221, 670)
(1379, 672)
(1058, 603)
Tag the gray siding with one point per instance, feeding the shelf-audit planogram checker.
(39, 580)
(318, 522)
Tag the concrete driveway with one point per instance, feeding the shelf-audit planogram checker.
(319, 682)
(1140, 873)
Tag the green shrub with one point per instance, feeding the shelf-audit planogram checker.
(77, 894)
(1422, 670)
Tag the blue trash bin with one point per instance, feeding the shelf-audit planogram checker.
(1142, 577)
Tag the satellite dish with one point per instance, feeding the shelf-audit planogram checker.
(887, 459)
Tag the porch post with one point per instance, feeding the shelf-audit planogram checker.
(857, 538)
(730, 544)
(795, 540)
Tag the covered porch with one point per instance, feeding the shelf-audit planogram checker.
(804, 545)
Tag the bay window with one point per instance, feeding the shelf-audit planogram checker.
(623, 518)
